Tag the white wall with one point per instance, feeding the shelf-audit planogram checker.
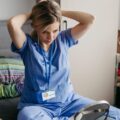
(93, 60)
(10, 8)
(119, 15)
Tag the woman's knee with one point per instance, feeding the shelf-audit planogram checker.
(33, 113)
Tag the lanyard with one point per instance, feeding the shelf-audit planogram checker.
(50, 58)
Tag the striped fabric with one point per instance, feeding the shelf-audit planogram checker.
(7, 91)
(11, 70)
(11, 77)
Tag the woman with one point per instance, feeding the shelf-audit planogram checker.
(48, 93)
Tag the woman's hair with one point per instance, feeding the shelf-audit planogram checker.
(45, 13)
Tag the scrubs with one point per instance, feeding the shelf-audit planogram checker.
(48, 93)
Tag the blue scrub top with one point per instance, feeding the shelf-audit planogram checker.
(45, 71)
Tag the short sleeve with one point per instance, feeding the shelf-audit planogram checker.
(67, 38)
(19, 51)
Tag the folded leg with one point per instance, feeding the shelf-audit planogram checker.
(75, 106)
(34, 113)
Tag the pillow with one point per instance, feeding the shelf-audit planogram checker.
(7, 91)
(11, 77)
(11, 70)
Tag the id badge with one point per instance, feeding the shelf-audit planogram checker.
(48, 95)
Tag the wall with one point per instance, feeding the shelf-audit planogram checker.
(93, 60)
(10, 8)
(119, 15)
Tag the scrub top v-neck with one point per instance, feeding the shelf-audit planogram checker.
(46, 71)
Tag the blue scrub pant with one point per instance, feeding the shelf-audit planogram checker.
(37, 112)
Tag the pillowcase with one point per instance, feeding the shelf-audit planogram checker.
(11, 77)
(11, 70)
(8, 91)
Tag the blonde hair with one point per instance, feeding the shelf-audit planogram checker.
(45, 13)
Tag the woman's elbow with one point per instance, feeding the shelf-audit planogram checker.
(10, 23)
(88, 21)
(91, 19)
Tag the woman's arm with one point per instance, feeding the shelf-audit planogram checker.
(84, 19)
(38, 1)
(15, 29)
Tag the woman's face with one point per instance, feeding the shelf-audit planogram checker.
(49, 33)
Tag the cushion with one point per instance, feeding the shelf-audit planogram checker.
(10, 90)
(11, 77)
(11, 70)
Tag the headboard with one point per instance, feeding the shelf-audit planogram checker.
(5, 40)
